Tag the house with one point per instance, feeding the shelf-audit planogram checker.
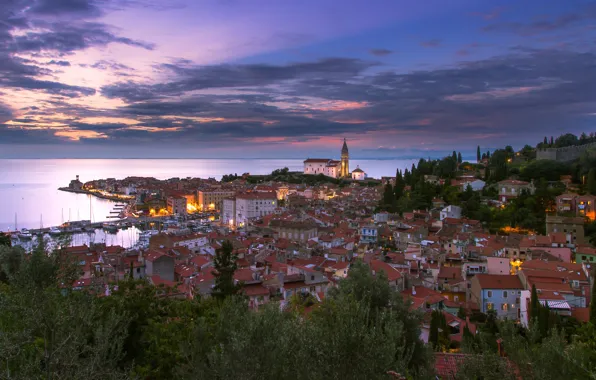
(159, 264)
(511, 188)
(358, 174)
(451, 284)
(450, 212)
(294, 230)
(369, 234)
(585, 254)
(394, 277)
(572, 227)
(497, 292)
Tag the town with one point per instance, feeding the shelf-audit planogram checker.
(461, 243)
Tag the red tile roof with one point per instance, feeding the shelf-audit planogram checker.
(497, 281)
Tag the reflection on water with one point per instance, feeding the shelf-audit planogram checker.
(125, 238)
(29, 188)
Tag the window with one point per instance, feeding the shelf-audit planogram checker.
(504, 293)
(517, 300)
(489, 293)
(504, 307)
(490, 306)
(583, 257)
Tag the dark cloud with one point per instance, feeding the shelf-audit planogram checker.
(5, 113)
(50, 28)
(431, 43)
(87, 8)
(69, 38)
(380, 52)
(58, 63)
(109, 65)
(561, 22)
(229, 76)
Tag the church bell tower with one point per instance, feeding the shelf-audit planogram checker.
(345, 161)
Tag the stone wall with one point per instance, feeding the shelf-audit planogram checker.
(568, 153)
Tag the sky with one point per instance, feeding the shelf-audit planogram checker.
(291, 79)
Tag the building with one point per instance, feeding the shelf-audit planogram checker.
(345, 161)
(212, 199)
(572, 227)
(254, 205)
(450, 212)
(191, 241)
(369, 234)
(358, 174)
(497, 292)
(511, 188)
(176, 205)
(228, 211)
(329, 167)
(579, 205)
(294, 230)
(585, 255)
(159, 264)
(75, 184)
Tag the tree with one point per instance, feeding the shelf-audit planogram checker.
(388, 195)
(5, 240)
(433, 334)
(461, 313)
(593, 300)
(534, 305)
(454, 156)
(592, 181)
(545, 141)
(459, 158)
(478, 157)
(224, 264)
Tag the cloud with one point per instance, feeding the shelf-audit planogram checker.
(58, 63)
(231, 76)
(560, 22)
(380, 52)
(87, 8)
(431, 43)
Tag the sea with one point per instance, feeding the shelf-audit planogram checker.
(29, 195)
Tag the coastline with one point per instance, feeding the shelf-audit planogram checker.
(95, 194)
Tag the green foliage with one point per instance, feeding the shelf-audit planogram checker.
(593, 300)
(224, 264)
(592, 181)
(5, 240)
(545, 169)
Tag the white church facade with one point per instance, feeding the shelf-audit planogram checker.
(334, 168)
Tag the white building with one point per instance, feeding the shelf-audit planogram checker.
(329, 167)
(451, 212)
(248, 206)
(228, 211)
(358, 174)
(325, 166)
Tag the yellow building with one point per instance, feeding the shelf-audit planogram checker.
(212, 199)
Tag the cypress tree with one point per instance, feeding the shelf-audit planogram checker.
(454, 156)
(593, 300)
(592, 181)
(488, 154)
(552, 141)
(534, 304)
(433, 335)
(131, 272)
(545, 141)
(478, 157)
(459, 158)
(388, 195)
(224, 265)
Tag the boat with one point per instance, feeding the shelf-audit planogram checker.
(110, 228)
(55, 231)
(25, 234)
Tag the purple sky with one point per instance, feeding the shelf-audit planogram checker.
(271, 78)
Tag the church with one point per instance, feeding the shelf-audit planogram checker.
(333, 168)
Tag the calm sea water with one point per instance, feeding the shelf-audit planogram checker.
(29, 188)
